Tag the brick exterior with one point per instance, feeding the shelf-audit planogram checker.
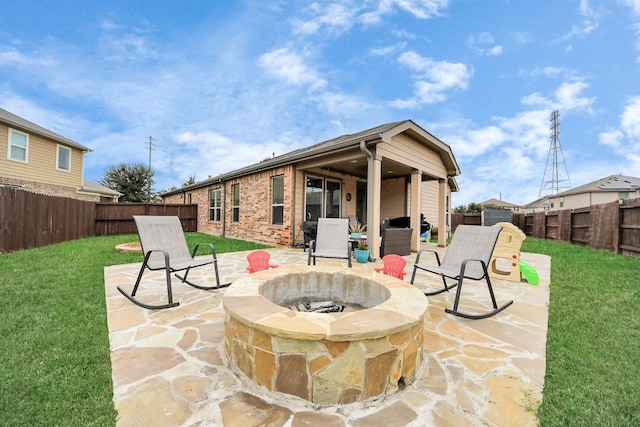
(50, 189)
(255, 208)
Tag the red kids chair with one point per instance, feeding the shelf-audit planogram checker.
(393, 266)
(259, 260)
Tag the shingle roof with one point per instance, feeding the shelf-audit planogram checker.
(496, 202)
(94, 187)
(324, 147)
(614, 183)
(25, 125)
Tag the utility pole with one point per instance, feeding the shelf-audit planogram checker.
(553, 183)
(151, 145)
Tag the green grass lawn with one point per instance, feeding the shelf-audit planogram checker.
(54, 345)
(593, 341)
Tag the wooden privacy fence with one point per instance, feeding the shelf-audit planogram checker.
(612, 227)
(117, 218)
(30, 220)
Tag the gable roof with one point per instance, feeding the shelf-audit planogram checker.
(496, 202)
(611, 183)
(382, 133)
(94, 187)
(29, 127)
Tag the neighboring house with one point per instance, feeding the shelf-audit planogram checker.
(605, 190)
(495, 203)
(392, 170)
(36, 159)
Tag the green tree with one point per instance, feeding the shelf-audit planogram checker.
(191, 180)
(133, 181)
(474, 207)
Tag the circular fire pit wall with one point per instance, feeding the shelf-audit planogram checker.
(373, 347)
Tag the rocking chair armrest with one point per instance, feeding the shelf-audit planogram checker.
(213, 250)
(463, 266)
(147, 255)
(426, 250)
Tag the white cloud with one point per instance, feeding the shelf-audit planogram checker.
(335, 17)
(589, 23)
(630, 120)
(290, 67)
(484, 44)
(433, 79)
(612, 138)
(568, 96)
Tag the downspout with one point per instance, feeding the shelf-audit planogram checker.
(369, 154)
(224, 208)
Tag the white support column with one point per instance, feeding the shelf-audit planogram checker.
(416, 203)
(374, 187)
(442, 213)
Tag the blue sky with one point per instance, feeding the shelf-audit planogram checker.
(223, 84)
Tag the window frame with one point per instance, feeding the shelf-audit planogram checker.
(215, 209)
(58, 148)
(235, 204)
(323, 198)
(275, 204)
(10, 145)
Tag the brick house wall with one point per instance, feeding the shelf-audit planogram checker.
(255, 208)
(50, 189)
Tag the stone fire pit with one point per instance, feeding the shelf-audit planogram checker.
(373, 348)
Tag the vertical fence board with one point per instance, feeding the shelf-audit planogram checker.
(630, 228)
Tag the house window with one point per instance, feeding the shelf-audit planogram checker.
(323, 198)
(18, 146)
(551, 201)
(277, 200)
(623, 195)
(236, 202)
(64, 159)
(562, 202)
(215, 204)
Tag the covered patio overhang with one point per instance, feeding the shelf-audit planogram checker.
(405, 151)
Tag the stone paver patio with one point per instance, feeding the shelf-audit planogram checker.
(169, 366)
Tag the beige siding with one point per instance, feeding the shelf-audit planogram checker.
(414, 154)
(41, 165)
(393, 198)
(430, 201)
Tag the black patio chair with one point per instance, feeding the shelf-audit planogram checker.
(165, 248)
(467, 257)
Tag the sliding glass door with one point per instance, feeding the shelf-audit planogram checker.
(323, 198)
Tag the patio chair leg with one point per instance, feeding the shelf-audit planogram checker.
(135, 288)
(495, 310)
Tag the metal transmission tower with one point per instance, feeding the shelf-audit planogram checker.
(553, 182)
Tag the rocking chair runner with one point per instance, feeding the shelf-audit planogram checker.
(165, 248)
(258, 261)
(467, 257)
(393, 266)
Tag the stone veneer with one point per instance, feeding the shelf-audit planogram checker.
(325, 358)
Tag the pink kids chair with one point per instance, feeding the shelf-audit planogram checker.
(258, 261)
(393, 266)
